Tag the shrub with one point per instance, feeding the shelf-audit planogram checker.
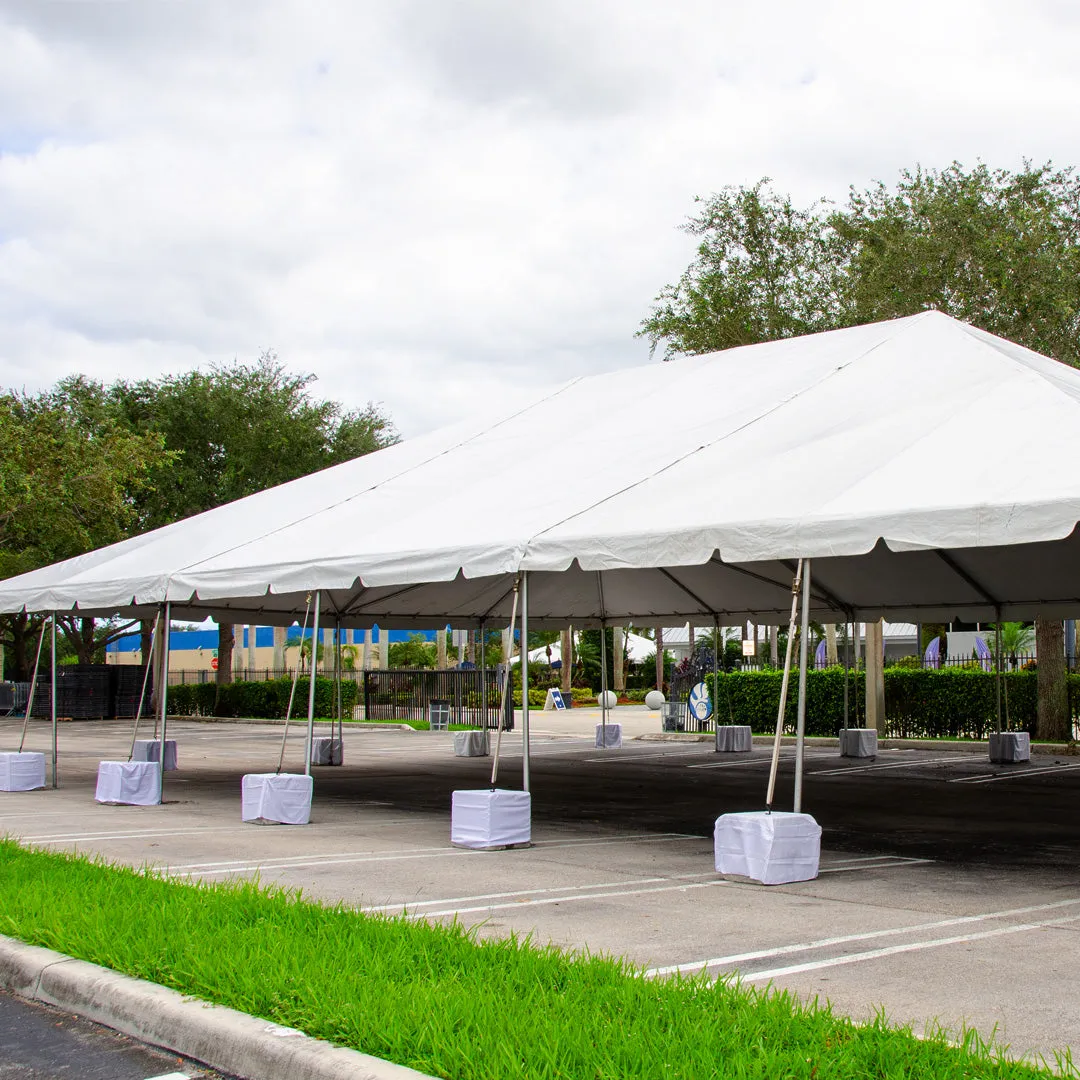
(919, 703)
(260, 700)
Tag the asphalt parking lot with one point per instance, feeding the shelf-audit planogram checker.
(949, 892)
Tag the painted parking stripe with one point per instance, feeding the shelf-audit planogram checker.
(870, 935)
(72, 838)
(305, 862)
(683, 883)
(916, 946)
(680, 882)
(847, 769)
(762, 760)
(413, 906)
(990, 778)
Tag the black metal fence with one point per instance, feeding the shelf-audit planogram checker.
(398, 694)
(473, 695)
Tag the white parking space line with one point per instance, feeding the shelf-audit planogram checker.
(72, 838)
(301, 862)
(763, 760)
(883, 863)
(683, 886)
(617, 755)
(895, 950)
(827, 943)
(1020, 774)
(412, 906)
(847, 769)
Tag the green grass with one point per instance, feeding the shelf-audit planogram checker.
(438, 1000)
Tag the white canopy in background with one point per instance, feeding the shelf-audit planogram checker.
(688, 491)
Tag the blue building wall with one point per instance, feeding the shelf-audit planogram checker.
(180, 640)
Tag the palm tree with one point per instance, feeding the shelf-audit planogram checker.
(1017, 639)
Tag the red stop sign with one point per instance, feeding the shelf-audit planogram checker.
(213, 663)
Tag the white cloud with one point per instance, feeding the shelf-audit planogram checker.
(437, 202)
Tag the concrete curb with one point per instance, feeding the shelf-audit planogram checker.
(221, 1038)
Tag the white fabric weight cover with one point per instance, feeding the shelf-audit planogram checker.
(131, 783)
(276, 798)
(734, 739)
(150, 750)
(327, 751)
(471, 744)
(771, 848)
(608, 737)
(1010, 746)
(22, 772)
(858, 742)
(490, 818)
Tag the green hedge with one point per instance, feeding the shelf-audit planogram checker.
(952, 702)
(260, 700)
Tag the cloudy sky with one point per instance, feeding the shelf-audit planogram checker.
(437, 204)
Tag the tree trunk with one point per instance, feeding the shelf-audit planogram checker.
(660, 658)
(146, 631)
(566, 651)
(1052, 718)
(440, 648)
(19, 633)
(618, 673)
(280, 637)
(774, 643)
(226, 639)
(831, 657)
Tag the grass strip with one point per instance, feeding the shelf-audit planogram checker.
(439, 1000)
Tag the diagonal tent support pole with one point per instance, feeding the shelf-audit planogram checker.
(164, 695)
(800, 730)
(775, 764)
(52, 695)
(292, 689)
(33, 688)
(505, 691)
(142, 693)
(311, 684)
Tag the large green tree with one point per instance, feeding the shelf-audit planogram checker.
(996, 248)
(70, 479)
(235, 430)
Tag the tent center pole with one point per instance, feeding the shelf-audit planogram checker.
(800, 730)
(848, 628)
(524, 680)
(311, 683)
(483, 676)
(164, 695)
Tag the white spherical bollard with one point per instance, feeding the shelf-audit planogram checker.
(654, 699)
(607, 699)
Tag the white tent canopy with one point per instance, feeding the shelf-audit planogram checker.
(690, 489)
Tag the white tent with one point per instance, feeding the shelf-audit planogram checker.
(729, 467)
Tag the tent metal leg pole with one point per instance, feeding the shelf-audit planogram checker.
(483, 676)
(337, 688)
(524, 680)
(603, 681)
(52, 697)
(800, 730)
(997, 666)
(164, 695)
(714, 696)
(311, 684)
(847, 667)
